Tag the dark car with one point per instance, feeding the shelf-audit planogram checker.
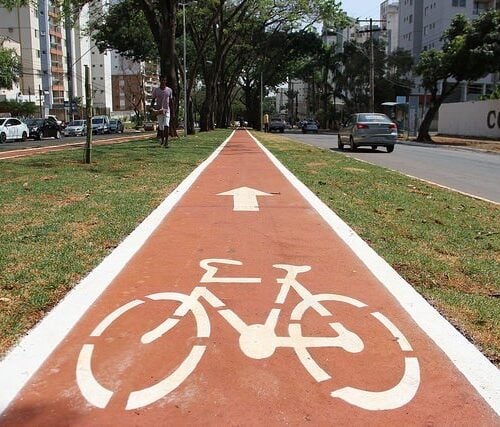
(310, 125)
(277, 125)
(115, 126)
(43, 128)
(368, 129)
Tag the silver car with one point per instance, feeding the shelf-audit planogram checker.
(369, 130)
(76, 128)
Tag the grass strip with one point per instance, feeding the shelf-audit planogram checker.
(443, 243)
(61, 217)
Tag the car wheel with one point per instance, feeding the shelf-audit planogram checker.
(339, 142)
(25, 136)
(40, 135)
(374, 147)
(390, 148)
(58, 135)
(282, 130)
(352, 144)
(3, 138)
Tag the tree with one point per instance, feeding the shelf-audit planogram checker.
(470, 51)
(10, 67)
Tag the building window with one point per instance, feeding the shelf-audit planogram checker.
(458, 3)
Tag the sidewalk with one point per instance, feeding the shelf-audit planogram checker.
(243, 300)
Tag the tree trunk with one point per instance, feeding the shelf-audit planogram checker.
(436, 101)
(423, 131)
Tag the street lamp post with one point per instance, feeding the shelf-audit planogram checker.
(184, 46)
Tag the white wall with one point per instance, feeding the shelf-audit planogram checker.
(476, 118)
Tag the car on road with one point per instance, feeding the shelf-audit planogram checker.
(43, 128)
(12, 129)
(310, 125)
(100, 125)
(115, 126)
(76, 128)
(277, 125)
(369, 130)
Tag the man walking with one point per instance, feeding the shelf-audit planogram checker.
(162, 103)
(266, 122)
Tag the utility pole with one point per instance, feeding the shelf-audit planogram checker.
(372, 59)
(261, 101)
(40, 93)
(88, 109)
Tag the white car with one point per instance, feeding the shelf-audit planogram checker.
(76, 128)
(12, 129)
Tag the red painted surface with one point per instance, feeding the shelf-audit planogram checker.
(227, 387)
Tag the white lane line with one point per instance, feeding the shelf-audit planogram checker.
(23, 360)
(480, 372)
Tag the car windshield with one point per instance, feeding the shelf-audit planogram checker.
(76, 123)
(374, 118)
(97, 121)
(113, 121)
(37, 122)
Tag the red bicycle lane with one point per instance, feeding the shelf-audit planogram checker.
(245, 307)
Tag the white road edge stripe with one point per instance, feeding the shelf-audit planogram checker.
(23, 360)
(481, 373)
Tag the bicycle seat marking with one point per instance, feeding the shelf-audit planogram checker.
(256, 341)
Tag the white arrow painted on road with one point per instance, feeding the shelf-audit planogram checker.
(245, 198)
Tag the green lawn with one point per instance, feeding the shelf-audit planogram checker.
(61, 217)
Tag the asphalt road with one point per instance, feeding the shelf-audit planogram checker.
(469, 171)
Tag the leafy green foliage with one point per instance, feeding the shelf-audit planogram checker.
(10, 67)
(18, 109)
(125, 29)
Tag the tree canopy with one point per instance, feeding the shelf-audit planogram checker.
(10, 67)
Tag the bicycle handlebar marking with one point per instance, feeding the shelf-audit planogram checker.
(257, 341)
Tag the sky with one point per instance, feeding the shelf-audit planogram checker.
(362, 8)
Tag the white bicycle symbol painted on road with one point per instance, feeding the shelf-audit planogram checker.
(257, 341)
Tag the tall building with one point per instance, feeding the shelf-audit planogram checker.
(423, 22)
(389, 13)
(54, 53)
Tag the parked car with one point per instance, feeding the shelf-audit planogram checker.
(42, 128)
(368, 129)
(276, 125)
(59, 122)
(76, 128)
(310, 125)
(100, 125)
(115, 126)
(12, 129)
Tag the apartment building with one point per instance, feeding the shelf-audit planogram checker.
(132, 84)
(423, 22)
(389, 14)
(53, 57)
